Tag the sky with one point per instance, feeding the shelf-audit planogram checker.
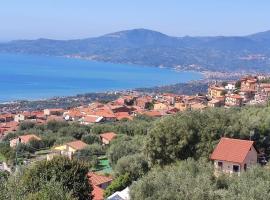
(73, 19)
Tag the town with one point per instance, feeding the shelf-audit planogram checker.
(249, 90)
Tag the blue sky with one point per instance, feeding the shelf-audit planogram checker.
(69, 19)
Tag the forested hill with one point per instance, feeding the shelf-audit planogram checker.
(147, 47)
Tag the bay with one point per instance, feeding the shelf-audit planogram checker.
(37, 77)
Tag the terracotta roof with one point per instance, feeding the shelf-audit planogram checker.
(97, 193)
(97, 179)
(232, 150)
(153, 113)
(247, 90)
(27, 138)
(235, 96)
(56, 110)
(92, 119)
(78, 144)
(219, 88)
(123, 115)
(265, 85)
(108, 136)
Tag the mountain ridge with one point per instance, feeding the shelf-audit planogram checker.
(148, 47)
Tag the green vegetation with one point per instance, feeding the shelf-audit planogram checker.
(194, 180)
(60, 178)
(166, 158)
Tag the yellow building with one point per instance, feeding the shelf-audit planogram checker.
(216, 91)
(70, 148)
(182, 106)
(160, 106)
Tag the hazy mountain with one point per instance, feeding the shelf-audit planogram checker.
(147, 47)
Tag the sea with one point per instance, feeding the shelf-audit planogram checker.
(32, 77)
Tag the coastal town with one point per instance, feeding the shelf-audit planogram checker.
(249, 90)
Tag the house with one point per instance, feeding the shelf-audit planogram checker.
(169, 98)
(216, 91)
(6, 118)
(25, 116)
(122, 195)
(25, 139)
(234, 155)
(99, 183)
(182, 106)
(160, 106)
(214, 103)
(153, 113)
(91, 119)
(143, 102)
(106, 138)
(247, 94)
(123, 115)
(197, 106)
(234, 100)
(249, 83)
(70, 148)
(55, 111)
(19, 118)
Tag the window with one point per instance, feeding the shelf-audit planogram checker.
(236, 168)
(245, 167)
(220, 164)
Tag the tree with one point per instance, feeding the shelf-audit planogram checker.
(135, 165)
(184, 180)
(26, 125)
(90, 154)
(123, 146)
(51, 190)
(118, 184)
(71, 173)
(171, 138)
(90, 139)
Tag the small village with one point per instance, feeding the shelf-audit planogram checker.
(227, 158)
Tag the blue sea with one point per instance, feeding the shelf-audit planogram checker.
(38, 77)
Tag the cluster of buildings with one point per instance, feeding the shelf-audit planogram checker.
(230, 155)
(249, 90)
(99, 181)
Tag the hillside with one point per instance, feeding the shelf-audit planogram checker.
(147, 47)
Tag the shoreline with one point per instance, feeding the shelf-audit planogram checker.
(207, 76)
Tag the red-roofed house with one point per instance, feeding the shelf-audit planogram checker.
(234, 155)
(25, 139)
(234, 100)
(97, 193)
(106, 138)
(68, 149)
(99, 183)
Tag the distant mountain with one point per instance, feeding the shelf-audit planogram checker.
(147, 47)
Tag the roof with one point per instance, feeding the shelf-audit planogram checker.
(78, 144)
(97, 193)
(153, 113)
(122, 195)
(97, 179)
(123, 115)
(235, 96)
(92, 119)
(232, 150)
(27, 138)
(108, 136)
(215, 87)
